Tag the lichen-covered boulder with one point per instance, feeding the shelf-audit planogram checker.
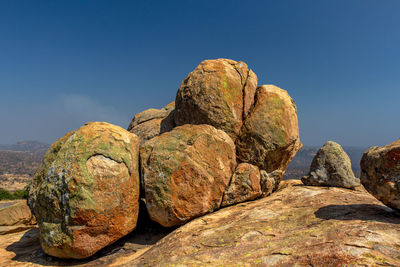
(380, 173)
(153, 122)
(185, 172)
(331, 166)
(269, 137)
(85, 194)
(244, 186)
(218, 92)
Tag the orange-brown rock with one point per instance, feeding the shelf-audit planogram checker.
(296, 226)
(269, 137)
(153, 122)
(218, 92)
(85, 194)
(185, 172)
(15, 216)
(244, 186)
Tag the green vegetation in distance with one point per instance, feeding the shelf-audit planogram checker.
(19, 194)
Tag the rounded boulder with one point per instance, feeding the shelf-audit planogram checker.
(185, 172)
(218, 92)
(85, 194)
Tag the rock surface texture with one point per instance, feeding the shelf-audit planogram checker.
(85, 194)
(296, 226)
(380, 173)
(331, 166)
(15, 216)
(153, 122)
(185, 172)
(269, 137)
(219, 93)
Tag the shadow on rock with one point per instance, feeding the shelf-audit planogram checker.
(147, 233)
(365, 212)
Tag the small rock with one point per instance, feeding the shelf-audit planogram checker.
(270, 181)
(153, 122)
(245, 185)
(331, 166)
(16, 217)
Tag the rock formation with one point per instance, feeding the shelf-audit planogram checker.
(85, 194)
(269, 137)
(185, 172)
(380, 173)
(331, 166)
(15, 216)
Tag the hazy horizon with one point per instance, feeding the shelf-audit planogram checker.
(63, 64)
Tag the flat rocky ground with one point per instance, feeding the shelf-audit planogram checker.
(296, 226)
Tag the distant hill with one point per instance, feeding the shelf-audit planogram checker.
(18, 163)
(27, 146)
(300, 164)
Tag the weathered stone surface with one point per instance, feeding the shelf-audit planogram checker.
(296, 226)
(270, 181)
(153, 122)
(245, 185)
(185, 172)
(269, 137)
(380, 173)
(85, 194)
(15, 217)
(331, 166)
(218, 92)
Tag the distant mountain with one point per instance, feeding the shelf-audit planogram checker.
(19, 162)
(300, 164)
(28, 146)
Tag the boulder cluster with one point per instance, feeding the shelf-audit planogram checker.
(224, 140)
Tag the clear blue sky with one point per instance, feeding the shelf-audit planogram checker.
(63, 63)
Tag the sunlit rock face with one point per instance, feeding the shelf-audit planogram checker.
(185, 172)
(218, 92)
(269, 138)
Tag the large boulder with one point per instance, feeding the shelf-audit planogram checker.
(219, 93)
(85, 194)
(380, 173)
(15, 216)
(245, 185)
(153, 122)
(331, 166)
(185, 172)
(269, 137)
